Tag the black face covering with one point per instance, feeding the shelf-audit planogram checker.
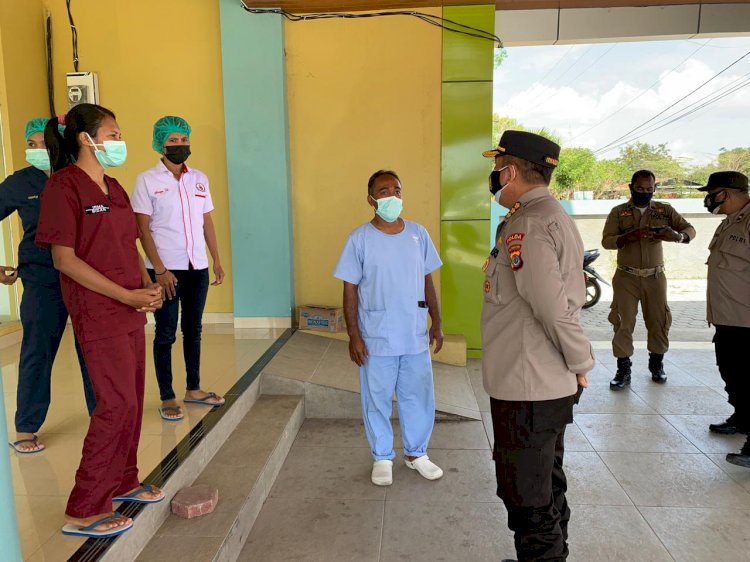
(640, 199)
(495, 184)
(710, 203)
(177, 153)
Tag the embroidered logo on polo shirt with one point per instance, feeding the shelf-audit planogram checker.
(200, 187)
(96, 209)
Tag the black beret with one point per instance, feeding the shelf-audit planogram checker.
(726, 180)
(527, 146)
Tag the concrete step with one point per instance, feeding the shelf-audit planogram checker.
(320, 369)
(178, 469)
(244, 470)
(453, 352)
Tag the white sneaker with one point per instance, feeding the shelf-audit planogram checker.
(382, 473)
(425, 467)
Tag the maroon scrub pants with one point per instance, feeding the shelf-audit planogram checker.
(109, 466)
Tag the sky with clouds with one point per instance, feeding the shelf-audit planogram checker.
(591, 95)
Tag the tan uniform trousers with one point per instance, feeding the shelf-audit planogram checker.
(651, 292)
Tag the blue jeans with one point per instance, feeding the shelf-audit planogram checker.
(192, 289)
(43, 317)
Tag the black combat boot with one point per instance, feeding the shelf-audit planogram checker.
(743, 457)
(730, 427)
(622, 376)
(656, 366)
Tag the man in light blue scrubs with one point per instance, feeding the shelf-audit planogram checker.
(386, 267)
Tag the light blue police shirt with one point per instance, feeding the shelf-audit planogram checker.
(390, 270)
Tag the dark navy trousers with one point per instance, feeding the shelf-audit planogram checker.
(43, 317)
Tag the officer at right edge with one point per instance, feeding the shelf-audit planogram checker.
(728, 298)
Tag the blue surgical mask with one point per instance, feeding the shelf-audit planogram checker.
(39, 158)
(114, 153)
(389, 208)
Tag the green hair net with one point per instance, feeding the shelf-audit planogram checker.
(165, 127)
(35, 126)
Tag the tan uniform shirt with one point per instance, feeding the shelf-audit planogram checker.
(645, 253)
(532, 340)
(728, 293)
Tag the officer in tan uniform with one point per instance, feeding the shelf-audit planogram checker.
(535, 355)
(636, 229)
(728, 298)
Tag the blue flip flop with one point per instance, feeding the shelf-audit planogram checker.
(163, 410)
(33, 440)
(205, 401)
(88, 530)
(132, 497)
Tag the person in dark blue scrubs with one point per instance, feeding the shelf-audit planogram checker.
(43, 313)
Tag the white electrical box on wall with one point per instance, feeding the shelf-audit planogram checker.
(83, 87)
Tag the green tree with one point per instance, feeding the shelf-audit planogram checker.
(576, 169)
(502, 124)
(657, 158)
(499, 58)
(735, 160)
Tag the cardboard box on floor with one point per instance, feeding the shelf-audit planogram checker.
(321, 318)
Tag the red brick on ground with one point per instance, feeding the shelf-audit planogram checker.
(195, 501)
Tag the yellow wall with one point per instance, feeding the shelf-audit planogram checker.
(22, 69)
(152, 59)
(363, 95)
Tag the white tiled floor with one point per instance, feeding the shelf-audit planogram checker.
(42, 481)
(647, 481)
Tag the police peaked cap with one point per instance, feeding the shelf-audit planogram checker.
(726, 180)
(527, 146)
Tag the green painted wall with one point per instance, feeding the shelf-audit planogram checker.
(465, 200)
(256, 123)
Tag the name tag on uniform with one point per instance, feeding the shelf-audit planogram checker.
(626, 213)
(96, 209)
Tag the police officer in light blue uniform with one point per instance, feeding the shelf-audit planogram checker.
(386, 267)
(43, 313)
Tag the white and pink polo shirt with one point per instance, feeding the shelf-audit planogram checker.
(176, 208)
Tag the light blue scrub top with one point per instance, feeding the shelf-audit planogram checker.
(390, 270)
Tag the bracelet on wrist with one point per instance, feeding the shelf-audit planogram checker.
(162, 273)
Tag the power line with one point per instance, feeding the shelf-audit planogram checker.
(538, 95)
(606, 147)
(642, 93)
(545, 100)
(689, 110)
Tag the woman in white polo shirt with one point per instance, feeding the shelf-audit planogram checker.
(173, 207)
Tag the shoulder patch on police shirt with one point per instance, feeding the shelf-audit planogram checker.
(514, 254)
(96, 209)
(515, 237)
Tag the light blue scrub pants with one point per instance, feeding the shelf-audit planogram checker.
(410, 376)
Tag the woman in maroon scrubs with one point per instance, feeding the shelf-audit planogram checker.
(87, 221)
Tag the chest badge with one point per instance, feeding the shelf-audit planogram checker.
(626, 213)
(96, 209)
(514, 255)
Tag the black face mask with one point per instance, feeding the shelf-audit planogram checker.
(710, 202)
(177, 153)
(640, 199)
(495, 184)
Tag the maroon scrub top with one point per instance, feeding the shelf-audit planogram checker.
(102, 231)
